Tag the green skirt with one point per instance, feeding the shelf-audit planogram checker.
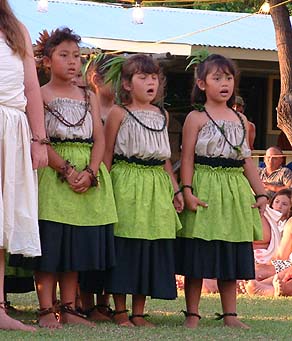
(57, 202)
(143, 196)
(229, 215)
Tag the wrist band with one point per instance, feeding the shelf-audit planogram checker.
(45, 140)
(177, 192)
(261, 195)
(187, 186)
(94, 178)
(63, 174)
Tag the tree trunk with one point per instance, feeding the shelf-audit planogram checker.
(283, 30)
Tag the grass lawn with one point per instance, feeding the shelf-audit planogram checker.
(269, 319)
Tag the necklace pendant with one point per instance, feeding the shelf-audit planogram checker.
(237, 149)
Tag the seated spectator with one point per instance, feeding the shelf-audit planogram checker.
(275, 176)
(279, 282)
(239, 106)
(273, 221)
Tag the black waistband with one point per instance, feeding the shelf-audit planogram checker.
(218, 161)
(79, 140)
(133, 159)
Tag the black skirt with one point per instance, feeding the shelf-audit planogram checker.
(17, 285)
(144, 267)
(68, 248)
(92, 281)
(198, 258)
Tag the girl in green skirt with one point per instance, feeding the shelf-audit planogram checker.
(146, 193)
(76, 203)
(221, 218)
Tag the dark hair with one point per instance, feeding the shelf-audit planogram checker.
(284, 191)
(57, 37)
(140, 63)
(204, 68)
(11, 27)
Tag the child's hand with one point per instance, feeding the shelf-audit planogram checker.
(39, 155)
(178, 202)
(261, 204)
(192, 202)
(82, 182)
(73, 174)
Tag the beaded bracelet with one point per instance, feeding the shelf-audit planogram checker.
(94, 178)
(261, 195)
(187, 186)
(177, 192)
(45, 140)
(64, 170)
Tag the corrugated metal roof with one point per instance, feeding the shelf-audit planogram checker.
(192, 27)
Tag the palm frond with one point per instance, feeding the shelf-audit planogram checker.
(198, 57)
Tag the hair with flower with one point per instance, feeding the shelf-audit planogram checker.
(203, 68)
(47, 42)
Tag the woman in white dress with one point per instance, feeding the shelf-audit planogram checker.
(22, 148)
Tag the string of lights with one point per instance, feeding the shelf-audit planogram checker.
(263, 9)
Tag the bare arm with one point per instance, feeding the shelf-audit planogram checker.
(34, 108)
(112, 127)
(98, 136)
(84, 178)
(285, 247)
(178, 200)
(190, 133)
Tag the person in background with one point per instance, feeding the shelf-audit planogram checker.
(239, 106)
(93, 281)
(275, 175)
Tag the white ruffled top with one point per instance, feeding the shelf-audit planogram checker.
(135, 140)
(211, 142)
(72, 110)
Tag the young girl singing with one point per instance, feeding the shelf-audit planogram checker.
(138, 152)
(76, 204)
(221, 219)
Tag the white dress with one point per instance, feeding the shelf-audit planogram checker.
(19, 232)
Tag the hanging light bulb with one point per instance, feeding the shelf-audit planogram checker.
(265, 8)
(42, 6)
(138, 14)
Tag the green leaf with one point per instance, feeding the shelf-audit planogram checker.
(198, 57)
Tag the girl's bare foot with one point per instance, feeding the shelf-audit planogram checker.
(96, 315)
(192, 320)
(254, 287)
(121, 318)
(234, 322)
(278, 286)
(8, 323)
(139, 321)
(49, 321)
(105, 310)
(70, 318)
